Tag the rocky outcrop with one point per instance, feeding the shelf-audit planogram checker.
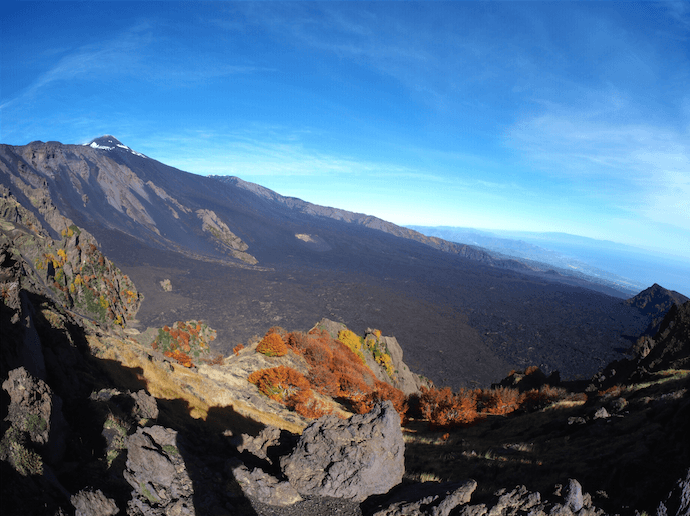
(402, 378)
(259, 485)
(429, 498)
(211, 223)
(351, 459)
(655, 302)
(36, 412)
(667, 349)
(157, 473)
(71, 266)
(93, 503)
(677, 503)
(393, 369)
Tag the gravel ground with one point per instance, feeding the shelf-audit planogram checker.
(312, 506)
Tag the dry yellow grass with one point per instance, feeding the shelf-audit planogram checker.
(201, 390)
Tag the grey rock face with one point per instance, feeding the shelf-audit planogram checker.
(271, 444)
(352, 458)
(403, 378)
(573, 495)
(36, 411)
(678, 501)
(430, 499)
(93, 503)
(262, 486)
(145, 405)
(157, 473)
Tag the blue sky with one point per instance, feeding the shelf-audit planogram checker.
(537, 116)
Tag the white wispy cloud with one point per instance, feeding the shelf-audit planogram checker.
(272, 151)
(131, 55)
(637, 164)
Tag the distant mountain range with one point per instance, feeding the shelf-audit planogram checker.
(623, 267)
(243, 258)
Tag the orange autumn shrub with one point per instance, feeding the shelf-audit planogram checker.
(612, 392)
(283, 384)
(236, 350)
(290, 388)
(539, 398)
(181, 357)
(334, 371)
(317, 352)
(323, 380)
(383, 392)
(501, 400)
(443, 409)
(272, 345)
(297, 341)
(312, 408)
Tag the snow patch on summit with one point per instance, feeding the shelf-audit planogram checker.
(98, 143)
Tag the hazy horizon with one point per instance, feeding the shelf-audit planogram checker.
(569, 117)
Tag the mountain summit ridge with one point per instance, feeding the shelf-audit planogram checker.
(109, 142)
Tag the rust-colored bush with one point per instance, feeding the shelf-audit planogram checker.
(290, 388)
(236, 350)
(443, 409)
(501, 401)
(283, 384)
(323, 380)
(531, 370)
(312, 408)
(317, 352)
(272, 345)
(613, 391)
(297, 341)
(538, 398)
(181, 357)
(382, 392)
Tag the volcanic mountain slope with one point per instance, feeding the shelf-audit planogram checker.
(245, 258)
(655, 302)
(98, 420)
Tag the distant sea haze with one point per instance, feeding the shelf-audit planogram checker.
(633, 269)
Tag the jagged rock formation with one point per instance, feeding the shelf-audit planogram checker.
(667, 349)
(454, 498)
(157, 474)
(678, 500)
(35, 411)
(392, 370)
(258, 484)
(93, 503)
(655, 302)
(430, 498)
(351, 459)
(77, 274)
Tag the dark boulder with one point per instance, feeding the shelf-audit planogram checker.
(37, 412)
(353, 458)
(157, 473)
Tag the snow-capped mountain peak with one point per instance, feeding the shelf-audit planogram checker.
(109, 142)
